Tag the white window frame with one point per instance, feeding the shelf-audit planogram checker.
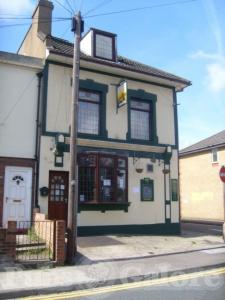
(217, 155)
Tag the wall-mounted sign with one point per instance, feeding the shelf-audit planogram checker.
(222, 173)
(147, 190)
(121, 93)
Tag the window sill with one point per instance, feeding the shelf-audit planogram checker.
(103, 206)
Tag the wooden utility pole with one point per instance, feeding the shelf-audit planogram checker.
(73, 178)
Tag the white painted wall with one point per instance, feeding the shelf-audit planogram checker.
(18, 102)
(86, 43)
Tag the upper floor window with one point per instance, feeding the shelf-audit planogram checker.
(88, 112)
(214, 155)
(104, 45)
(140, 120)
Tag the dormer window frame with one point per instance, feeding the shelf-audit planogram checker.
(106, 34)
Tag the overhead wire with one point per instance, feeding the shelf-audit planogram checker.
(69, 5)
(24, 24)
(20, 97)
(30, 18)
(141, 8)
(97, 6)
(63, 6)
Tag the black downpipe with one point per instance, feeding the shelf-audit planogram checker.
(37, 143)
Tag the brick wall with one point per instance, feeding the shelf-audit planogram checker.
(8, 241)
(16, 162)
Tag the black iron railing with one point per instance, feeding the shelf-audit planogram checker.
(35, 240)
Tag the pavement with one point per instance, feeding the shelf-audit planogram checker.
(109, 260)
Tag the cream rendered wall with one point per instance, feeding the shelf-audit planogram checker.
(138, 213)
(58, 108)
(59, 96)
(202, 194)
(18, 102)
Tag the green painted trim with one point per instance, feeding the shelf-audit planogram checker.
(175, 111)
(150, 183)
(88, 84)
(103, 207)
(45, 95)
(174, 189)
(57, 164)
(160, 229)
(128, 153)
(144, 97)
(91, 85)
(97, 137)
(112, 75)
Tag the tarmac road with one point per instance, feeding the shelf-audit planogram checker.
(205, 285)
(199, 229)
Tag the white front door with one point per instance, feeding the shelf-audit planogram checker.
(17, 194)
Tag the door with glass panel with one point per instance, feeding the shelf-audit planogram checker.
(58, 195)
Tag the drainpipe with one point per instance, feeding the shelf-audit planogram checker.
(37, 143)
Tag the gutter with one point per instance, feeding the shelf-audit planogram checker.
(124, 67)
(201, 150)
(37, 142)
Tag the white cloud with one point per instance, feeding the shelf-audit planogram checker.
(16, 7)
(215, 69)
(216, 76)
(210, 56)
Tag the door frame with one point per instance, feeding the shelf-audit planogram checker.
(67, 174)
(29, 197)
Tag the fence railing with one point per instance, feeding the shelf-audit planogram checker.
(35, 240)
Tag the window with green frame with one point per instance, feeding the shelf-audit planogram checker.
(174, 189)
(142, 117)
(147, 189)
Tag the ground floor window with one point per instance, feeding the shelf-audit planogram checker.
(102, 178)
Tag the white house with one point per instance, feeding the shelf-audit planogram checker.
(19, 77)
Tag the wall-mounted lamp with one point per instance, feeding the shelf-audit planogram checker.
(59, 149)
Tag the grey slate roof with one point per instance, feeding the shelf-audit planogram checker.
(62, 47)
(215, 140)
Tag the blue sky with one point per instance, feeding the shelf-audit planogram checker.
(186, 39)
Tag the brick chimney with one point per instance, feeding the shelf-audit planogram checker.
(42, 16)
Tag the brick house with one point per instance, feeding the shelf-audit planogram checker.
(128, 156)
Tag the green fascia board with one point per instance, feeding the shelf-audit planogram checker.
(175, 110)
(142, 229)
(103, 206)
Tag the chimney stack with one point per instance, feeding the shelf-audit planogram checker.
(42, 16)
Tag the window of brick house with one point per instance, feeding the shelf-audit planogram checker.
(214, 155)
(102, 178)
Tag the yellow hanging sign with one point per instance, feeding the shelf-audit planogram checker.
(122, 93)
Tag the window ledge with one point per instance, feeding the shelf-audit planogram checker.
(103, 206)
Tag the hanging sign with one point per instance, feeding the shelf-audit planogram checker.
(121, 93)
(222, 173)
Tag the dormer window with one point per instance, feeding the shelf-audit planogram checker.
(99, 44)
(104, 46)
